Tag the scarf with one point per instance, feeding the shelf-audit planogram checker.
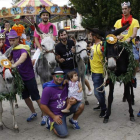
(126, 21)
(3, 50)
(51, 84)
(21, 46)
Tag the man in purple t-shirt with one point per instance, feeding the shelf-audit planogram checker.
(44, 27)
(22, 62)
(53, 100)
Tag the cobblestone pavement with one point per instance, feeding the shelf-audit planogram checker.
(119, 126)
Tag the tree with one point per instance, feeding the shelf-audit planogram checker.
(103, 13)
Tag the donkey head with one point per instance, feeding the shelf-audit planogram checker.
(112, 47)
(47, 44)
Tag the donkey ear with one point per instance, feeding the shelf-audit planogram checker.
(37, 29)
(120, 30)
(8, 52)
(51, 29)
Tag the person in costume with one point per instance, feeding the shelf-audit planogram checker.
(19, 28)
(3, 46)
(44, 27)
(54, 99)
(130, 33)
(6, 31)
(22, 61)
(96, 64)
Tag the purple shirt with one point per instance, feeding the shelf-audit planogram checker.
(45, 29)
(55, 99)
(6, 35)
(26, 68)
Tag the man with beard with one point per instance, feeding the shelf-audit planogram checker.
(64, 53)
(44, 27)
(130, 33)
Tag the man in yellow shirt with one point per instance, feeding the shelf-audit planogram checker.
(130, 33)
(97, 71)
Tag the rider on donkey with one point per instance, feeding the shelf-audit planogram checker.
(130, 33)
(44, 27)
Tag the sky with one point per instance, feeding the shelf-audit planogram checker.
(7, 3)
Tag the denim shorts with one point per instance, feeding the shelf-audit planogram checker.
(62, 129)
(30, 89)
(135, 52)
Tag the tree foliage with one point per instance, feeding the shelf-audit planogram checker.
(103, 13)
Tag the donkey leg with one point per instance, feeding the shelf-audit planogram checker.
(128, 97)
(124, 98)
(110, 100)
(1, 111)
(132, 95)
(16, 104)
(13, 113)
(83, 87)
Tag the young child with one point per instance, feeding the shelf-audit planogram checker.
(28, 41)
(74, 91)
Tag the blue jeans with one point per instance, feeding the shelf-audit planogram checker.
(62, 129)
(98, 80)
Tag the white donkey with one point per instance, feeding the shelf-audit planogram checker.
(6, 85)
(46, 61)
(82, 58)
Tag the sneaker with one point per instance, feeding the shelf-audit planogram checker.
(102, 114)
(44, 119)
(34, 115)
(134, 82)
(48, 123)
(74, 123)
(89, 93)
(138, 115)
(65, 110)
(97, 108)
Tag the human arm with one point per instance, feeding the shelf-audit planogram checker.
(22, 58)
(80, 87)
(37, 43)
(65, 82)
(135, 29)
(56, 118)
(59, 59)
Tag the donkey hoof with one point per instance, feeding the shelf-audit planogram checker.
(133, 102)
(105, 120)
(16, 105)
(86, 103)
(16, 130)
(1, 127)
(132, 119)
(123, 99)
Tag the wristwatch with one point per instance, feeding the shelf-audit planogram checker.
(131, 38)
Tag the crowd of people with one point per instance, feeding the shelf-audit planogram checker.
(62, 96)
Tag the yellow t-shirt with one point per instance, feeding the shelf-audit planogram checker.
(95, 63)
(128, 32)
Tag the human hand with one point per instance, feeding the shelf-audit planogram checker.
(73, 49)
(57, 119)
(14, 65)
(128, 40)
(79, 90)
(61, 60)
(120, 37)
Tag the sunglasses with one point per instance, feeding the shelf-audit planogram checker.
(59, 76)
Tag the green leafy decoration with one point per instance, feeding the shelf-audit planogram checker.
(18, 84)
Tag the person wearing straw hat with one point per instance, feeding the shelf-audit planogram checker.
(19, 28)
(22, 61)
(44, 27)
(3, 46)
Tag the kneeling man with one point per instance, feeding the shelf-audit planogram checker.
(53, 100)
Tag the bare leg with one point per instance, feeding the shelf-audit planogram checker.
(30, 104)
(87, 84)
(1, 111)
(38, 102)
(13, 113)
